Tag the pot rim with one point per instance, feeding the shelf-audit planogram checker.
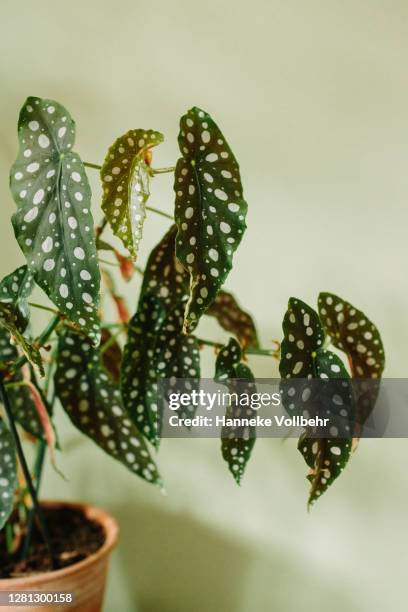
(95, 513)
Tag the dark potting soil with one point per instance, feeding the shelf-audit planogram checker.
(73, 536)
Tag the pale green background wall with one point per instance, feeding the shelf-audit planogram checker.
(313, 98)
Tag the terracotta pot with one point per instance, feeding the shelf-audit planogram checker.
(86, 579)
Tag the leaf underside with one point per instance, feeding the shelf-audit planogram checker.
(53, 223)
(93, 403)
(8, 473)
(233, 319)
(237, 441)
(125, 176)
(210, 210)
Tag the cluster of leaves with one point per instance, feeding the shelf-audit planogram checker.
(110, 394)
(304, 357)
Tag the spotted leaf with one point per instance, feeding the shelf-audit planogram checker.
(237, 441)
(303, 335)
(8, 473)
(210, 210)
(164, 277)
(327, 456)
(53, 223)
(233, 319)
(126, 177)
(21, 401)
(352, 332)
(93, 403)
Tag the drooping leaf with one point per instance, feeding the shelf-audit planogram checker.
(93, 403)
(164, 277)
(237, 441)
(233, 319)
(8, 473)
(20, 398)
(53, 223)
(138, 372)
(303, 357)
(125, 177)
(328, 456)
(210, 210)
(155, 349)
(14, 311)
(352, 332)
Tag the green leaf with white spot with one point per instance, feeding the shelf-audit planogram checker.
(126, 178)
(8, 473)
(237, 441)
(14, 311)
(352, 331)
(53, 223)
(328, 456)
(164, 277)
(303, 335)
(93, 403)
(21, 402)
(210, 210)
(233, 319)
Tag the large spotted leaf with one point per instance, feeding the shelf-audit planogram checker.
(93, 403)
(14, 311)
(164, 277)
(125, 177)
(233, 319)
(156, 349)
(352, 332)
(8, 473)
(21, 401)
(53, 223)
(210, 210)
(327, 456)
(237, 441)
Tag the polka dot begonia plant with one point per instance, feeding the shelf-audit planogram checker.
(110, 388)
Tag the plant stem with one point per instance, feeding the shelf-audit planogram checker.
(38, 468)
(42, 339)
(27, 476)
(42, 307)
(111, 341)
(90, 165)
(159, 212)
(247, 351)
(163, 170)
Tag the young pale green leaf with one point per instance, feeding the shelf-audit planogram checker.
(94, 405)
(14, 311)
(233, 319)
(53, 223)
(8, 473)
(303, 335)
(210, 210)
(237, 441)
(352, 332)
(327, 457)
(20, 397)
(164, 277)
(125, 178)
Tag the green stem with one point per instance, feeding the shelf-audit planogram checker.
(163, 170)
(42, 339)
(94, 166)
(248, 351)
(159, 212)
(109, 263)
(26, 472)
(110, 341)
(38, 468)
(42, 307)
